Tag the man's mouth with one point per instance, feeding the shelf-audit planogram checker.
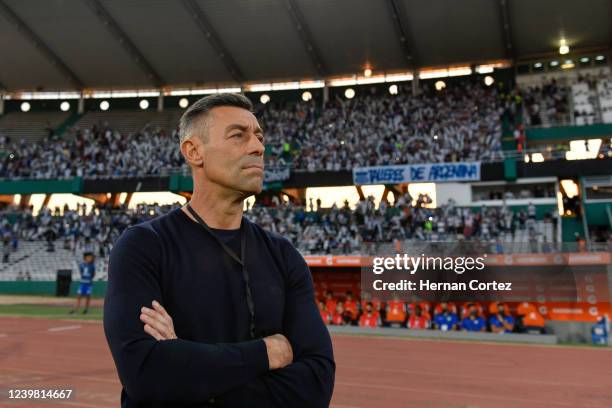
(254, 166)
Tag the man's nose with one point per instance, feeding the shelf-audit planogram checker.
(256, 146)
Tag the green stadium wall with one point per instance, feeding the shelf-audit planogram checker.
(47, 288)
(72, 186)
(566, 133)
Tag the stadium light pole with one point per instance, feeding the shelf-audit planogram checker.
(81, 105)
(415, 82)
(325, 93)
(585, 224)
(160, 101)
(506, 29)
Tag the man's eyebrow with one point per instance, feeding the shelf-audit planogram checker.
(241, 127)
(235, 126)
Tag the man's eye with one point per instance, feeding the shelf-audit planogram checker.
(236, 135)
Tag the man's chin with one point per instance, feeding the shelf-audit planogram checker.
(253, 188)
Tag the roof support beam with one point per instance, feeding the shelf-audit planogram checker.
(306, 37)
(202, 22)
(401, 30)
(504, 12)
(53, 58)
(116, 30)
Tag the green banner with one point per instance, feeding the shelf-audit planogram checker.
(565, 133)
(72, 186)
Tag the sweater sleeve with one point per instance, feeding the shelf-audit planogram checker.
(169, 371)
(309, 380)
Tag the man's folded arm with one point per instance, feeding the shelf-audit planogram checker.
(309, 380)
(177, 371)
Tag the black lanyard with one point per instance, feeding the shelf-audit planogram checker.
(241, 261)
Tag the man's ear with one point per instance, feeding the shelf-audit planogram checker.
(191, 149)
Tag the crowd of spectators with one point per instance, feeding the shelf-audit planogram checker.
(496, 317)
(547, 103)
(92, 152)
(335, 230)
(342, 230)
(565, 101)
(459, 123)
(84, 229)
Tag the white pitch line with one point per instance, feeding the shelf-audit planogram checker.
(61, 328)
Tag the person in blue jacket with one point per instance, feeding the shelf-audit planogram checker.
(446, 320)
(599, 331)
(501, 322)
(87, 270)
(473, 322)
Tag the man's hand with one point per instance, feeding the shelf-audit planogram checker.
(280, 352)
(158, 322)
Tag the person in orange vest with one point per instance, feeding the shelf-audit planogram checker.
(325, 315)
(493, 308)
(425, 307)
(581, 243)
(533, 322)
(350, 306)
(418, 320)
(370, 317)
(396, 313)
(524, 308)
(340, 317)
(366, 297)
(330, 302)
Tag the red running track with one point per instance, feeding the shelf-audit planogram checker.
(371, 371)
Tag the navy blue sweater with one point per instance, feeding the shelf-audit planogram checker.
(214, 361)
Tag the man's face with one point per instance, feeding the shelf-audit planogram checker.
(233, 150)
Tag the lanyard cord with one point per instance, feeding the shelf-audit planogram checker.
(241, 261)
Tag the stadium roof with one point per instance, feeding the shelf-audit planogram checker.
(80, 44)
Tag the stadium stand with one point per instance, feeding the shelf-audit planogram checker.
(324, 231)
(573, 99)
(128, 123)
(604, 91)
(31, 127)
(459, 123)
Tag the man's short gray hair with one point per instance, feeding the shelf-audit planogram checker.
(197, 112)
